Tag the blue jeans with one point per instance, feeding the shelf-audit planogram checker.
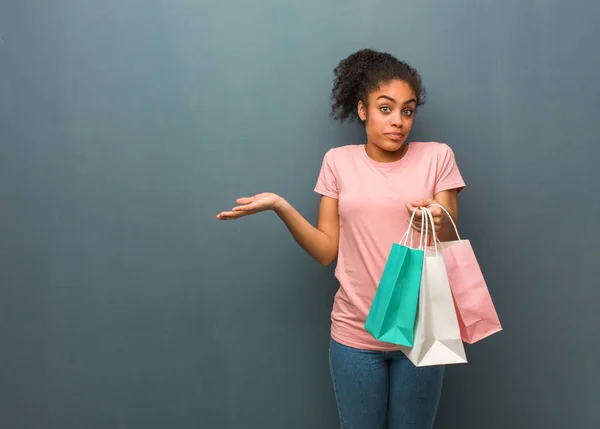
(383, 390)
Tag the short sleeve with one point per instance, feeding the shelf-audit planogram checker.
(447, 175)
(327, 181)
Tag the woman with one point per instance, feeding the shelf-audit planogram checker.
(368, 193)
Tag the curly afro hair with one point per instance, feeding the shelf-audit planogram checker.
(363, 72)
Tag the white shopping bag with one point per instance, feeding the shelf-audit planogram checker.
(437, 333)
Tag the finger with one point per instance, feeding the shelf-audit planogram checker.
(417, 229)
(231, 215)
(246, 208)
(244, 200)
(417, 222)
(436, 225)
(437, 218)
(425, 202)
(437, 222)
(227, 216)
(417, 213)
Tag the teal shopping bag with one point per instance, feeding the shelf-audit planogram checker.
(393, 311)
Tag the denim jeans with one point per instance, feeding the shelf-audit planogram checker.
(383, 390)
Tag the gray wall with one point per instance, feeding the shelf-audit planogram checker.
(125, 126)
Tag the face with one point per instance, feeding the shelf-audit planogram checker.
(389, 116)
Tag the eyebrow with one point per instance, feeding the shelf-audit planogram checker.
(412, 100)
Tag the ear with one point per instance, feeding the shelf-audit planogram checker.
(362, 111)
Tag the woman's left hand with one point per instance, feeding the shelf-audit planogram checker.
(439, 216)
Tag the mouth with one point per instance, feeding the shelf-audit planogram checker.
(395, 136)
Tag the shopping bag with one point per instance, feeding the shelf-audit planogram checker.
(437, 334)
(477, 316)
(393, 311)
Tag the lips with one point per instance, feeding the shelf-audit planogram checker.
(395, 136)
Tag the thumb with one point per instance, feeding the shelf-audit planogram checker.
(244, 200)
(423, 202)
(413, 208)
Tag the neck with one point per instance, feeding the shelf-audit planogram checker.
(379, 155)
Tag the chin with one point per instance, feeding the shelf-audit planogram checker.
(391, 146)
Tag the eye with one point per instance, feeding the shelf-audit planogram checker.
(407, 112)
(385, 109)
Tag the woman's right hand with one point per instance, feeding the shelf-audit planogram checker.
(320, 242)
(252, 205)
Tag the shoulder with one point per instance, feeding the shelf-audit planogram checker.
(437, 153)
(432, 148)
(343, 151)
(342, 154)
(337, 163)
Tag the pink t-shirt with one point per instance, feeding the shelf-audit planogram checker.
(372, 208)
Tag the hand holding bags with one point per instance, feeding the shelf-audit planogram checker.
(453, 303)
(437, 333)
(477, 316)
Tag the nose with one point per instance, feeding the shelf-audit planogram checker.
(397, 119)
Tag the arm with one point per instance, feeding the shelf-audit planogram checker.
(321, 242)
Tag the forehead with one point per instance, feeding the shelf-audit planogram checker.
(396, 89)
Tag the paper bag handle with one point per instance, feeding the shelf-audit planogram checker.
(426, 220)
(435, 239)
(451, 220)
(404, 239)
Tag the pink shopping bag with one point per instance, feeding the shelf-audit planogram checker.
(477, 317)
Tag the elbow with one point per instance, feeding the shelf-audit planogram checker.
(327, 252)
(327, 260)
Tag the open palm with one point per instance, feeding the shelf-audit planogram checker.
(250, 205)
